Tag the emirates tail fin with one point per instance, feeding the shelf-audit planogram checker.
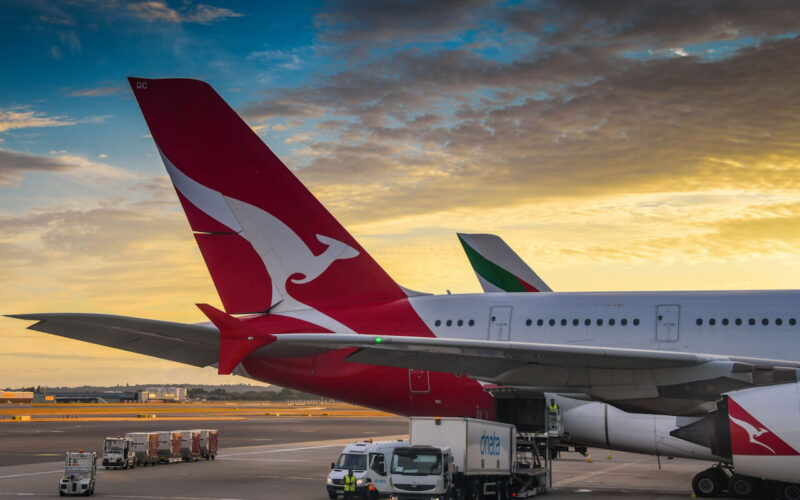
(267, 241)
(498, 267)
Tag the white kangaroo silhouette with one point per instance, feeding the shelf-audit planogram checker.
(752, 432)
(284, 254)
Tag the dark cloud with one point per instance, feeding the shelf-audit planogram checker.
(13, 166)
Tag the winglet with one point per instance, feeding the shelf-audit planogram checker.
(237, 339)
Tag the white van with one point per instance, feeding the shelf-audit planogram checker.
(370, 463)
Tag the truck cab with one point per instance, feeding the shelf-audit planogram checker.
(370, 463)
(79, 474)
(118, 452)
(422, 471)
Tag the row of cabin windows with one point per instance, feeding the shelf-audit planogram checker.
(449, 322)
(751, 321)
(586, 322)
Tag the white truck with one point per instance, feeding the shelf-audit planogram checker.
(118, 452)
(458, 458)
(370, 463)
(79, 474)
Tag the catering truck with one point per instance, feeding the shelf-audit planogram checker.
(456, 458)
(79, 474)
(118, 452)
(370, 463)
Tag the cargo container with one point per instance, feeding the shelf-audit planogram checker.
(459, 458)
(169, 446)
(208, 443)
(190, 445)
(145, 446)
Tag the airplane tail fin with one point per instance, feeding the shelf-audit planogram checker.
(267, 241)
(498, 267)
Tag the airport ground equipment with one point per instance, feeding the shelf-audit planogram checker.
(145, 446)
(370, 463)
(118, 452)
(169, 446)
(80, 472)
(208, 443)
(458, 458)
(190, 445)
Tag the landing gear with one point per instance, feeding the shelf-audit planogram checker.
(740, 486)
(710, 482)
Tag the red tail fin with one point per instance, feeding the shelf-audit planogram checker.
(265, 238)
(237, 339)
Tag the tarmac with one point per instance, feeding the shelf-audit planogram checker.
(287, 458)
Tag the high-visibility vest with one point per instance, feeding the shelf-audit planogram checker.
(553, 408)
(349, 483)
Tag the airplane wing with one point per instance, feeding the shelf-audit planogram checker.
(647, 380)
(196, 345)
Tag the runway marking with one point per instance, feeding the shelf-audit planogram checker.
(33, 473)
(338, 445)
(590, 474)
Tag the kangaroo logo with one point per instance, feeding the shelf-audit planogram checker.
(760, 439)
(752, 432)
(284, 254)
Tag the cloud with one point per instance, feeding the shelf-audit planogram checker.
(14, 166)
(155, 11)
(96, 92)
(21, 118)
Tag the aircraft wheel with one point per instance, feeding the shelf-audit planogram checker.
(789, 491)
(740, 486)
(708, 483)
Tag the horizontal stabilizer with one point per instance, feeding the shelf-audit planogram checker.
(185, 343)
(237, 339)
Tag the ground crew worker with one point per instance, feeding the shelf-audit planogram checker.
(553, 407)
(349, 485)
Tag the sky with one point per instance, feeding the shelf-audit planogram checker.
(619, 145)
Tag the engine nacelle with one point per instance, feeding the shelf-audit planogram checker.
(604, 426)
(765, 431)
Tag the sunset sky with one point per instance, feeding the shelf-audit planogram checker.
(618, 145)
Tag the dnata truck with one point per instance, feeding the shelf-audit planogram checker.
(456, 458)
(118, 452)
(370, 463)
(79, 474)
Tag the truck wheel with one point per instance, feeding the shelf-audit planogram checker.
(332, 495)
(708, 483)
(789, 491)
(61, 493)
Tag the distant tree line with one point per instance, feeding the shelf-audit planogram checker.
(223, 395)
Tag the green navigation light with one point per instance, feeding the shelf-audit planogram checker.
(378, 340)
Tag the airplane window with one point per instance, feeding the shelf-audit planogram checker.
(552, 322)
(611, 322)
(575, 322)
(587, 322)
(624, 322)
(765, 321)
(539, 322)
(738, 321)
(528, 322)
(492, 318)
(778, 321)
(712, 322)
(471, 322)
(438, 322)
(699, 322)
(636, 322)
(599, 322)
(563, 322)
(725, 321)
(449, 322)
(460, 322)
(751, 322)
(792, 321)
(660, 317)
